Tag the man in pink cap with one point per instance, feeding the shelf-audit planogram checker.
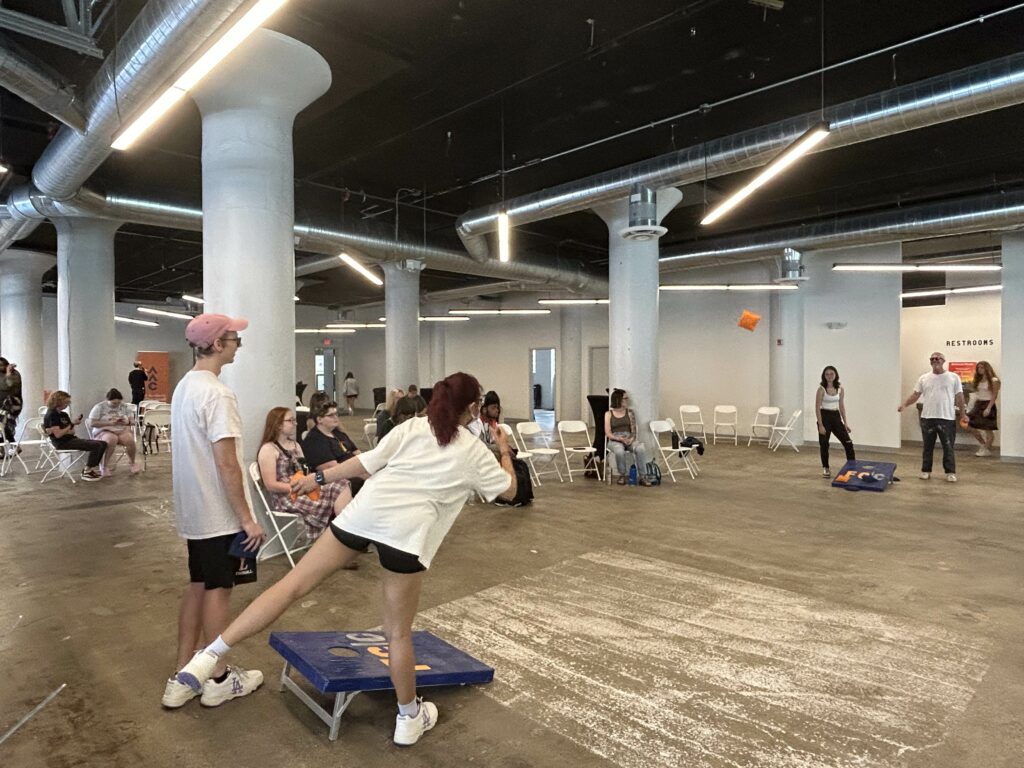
(211, 504)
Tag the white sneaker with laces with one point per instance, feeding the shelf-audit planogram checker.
(983, 452)
(950, 478)
(198, 670)
(826, 472)
(177, 694)
(409, 728)
(925, 475)
(239, 682)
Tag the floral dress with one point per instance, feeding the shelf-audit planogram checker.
(315, 515)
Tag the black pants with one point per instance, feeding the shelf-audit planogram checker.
(95, 448)
(9, 424)
(833, 424)
(138, 395)
(945, 430)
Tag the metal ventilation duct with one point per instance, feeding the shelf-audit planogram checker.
(971, 91)
(792, 268)
(24, 75)
(643, 215)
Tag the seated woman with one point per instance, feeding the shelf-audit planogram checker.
(386, 415)
(61, 430)
(620, 433)
(279, 458)
(109, 422)
(326, 445)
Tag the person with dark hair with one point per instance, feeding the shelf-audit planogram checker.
(109, 422)
(830, 408)
(413, 393)
(420, 476)
(983, 415)
(621, 433)
(11, 399)
(490, 414)
(59, 426)
(326, 445)
(350, 388)
(386, 412)
(316, 402)
(137, 379)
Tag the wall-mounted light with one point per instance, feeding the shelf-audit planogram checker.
(351, 262)
(164, 313)
(133, 321)
(835, 325)
(916, 267)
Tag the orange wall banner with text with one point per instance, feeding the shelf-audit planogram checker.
(157, 366)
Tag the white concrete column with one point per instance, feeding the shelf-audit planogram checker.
(21, 326)
(85, 310)
(633, 310)
(248, 105)
(402, 333)
(570, 363)
(786, 355)
(437, 344)
(1011, 396)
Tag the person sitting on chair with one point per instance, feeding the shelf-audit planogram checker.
(61, 430)
(386, 414)
(620, 432)
(326, 445)
(109, 422)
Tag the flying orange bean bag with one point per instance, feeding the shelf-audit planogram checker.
(749, 320)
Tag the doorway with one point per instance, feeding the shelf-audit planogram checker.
(325, 372)
(542, 387)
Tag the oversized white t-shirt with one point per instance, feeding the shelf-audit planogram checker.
(104, 411)
(203, 411)
(938, 391)
(417, 488)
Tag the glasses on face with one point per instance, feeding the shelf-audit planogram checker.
(331, 415)
(936, 359)
(236, 339)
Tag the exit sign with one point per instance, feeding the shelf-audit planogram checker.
(328, 342)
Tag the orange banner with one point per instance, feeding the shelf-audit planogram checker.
(157, 366)
(964, 370)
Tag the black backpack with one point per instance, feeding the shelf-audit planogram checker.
(524, 485)
(653, 473)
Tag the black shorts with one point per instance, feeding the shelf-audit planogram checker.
(391, 559)
(210, 563)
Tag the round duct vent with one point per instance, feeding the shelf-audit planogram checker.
(642, 232)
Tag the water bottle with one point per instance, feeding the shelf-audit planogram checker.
(632, 475)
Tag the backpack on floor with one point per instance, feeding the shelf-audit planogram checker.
(653, 473)
(524, 486)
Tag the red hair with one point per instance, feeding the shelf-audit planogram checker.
(450, 398)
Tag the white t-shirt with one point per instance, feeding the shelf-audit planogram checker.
(417, 488)
(203, 411)
(938, 391)
(104, 411)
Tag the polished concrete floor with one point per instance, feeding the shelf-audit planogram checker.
(754, 617)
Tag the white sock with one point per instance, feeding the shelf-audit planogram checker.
(218, 646)
(410, 710)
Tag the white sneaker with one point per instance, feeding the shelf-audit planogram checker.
(983, 452)
(239, 682)
(826, 472)
(177, 694)
(925, 475)
(409, 728)
(198, 671)
(950, 478)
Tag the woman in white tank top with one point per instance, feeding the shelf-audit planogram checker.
(983, 414)
(830, 408)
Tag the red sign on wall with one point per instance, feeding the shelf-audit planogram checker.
(964, 370)
(157, 366)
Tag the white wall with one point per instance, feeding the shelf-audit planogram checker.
(866, 352)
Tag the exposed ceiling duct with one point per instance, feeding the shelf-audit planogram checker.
(976, 213)
(25, 76)
(951, 96)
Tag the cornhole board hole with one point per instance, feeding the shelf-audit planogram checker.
(343, 664)
(865, 476)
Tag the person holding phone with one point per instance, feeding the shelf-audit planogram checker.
(60, 428)
(211, 505)
(109, 422)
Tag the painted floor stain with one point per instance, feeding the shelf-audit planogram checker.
(648, 663)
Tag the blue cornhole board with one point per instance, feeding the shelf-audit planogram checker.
(865, 476)
(359, 663)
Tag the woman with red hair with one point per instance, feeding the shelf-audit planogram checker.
(419, 477)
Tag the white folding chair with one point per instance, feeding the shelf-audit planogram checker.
(688, 453)
(573, 429)
(274, 516)
(12, 453)
(780, 435)
(53, 459)
(690, 416)
(41, 410)
(159, 421)
(33, 426)
(531, 430)
(370, 433)
(765, 419)
(521, 452)
(726, 417)
(665, 427)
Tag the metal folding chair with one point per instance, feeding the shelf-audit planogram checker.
(670, 455)
(573, 428)
(538, 454)
(274, 516)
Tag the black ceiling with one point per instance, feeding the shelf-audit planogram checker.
(424, 94)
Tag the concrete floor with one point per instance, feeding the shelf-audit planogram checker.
(755, 617)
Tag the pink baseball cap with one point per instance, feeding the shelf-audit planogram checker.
(206, 328)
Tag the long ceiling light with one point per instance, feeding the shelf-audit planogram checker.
(948, 291)
(360, 268)
(808, 141)
(916, 267)
(504, 246)
(325, 331)
(729, 287)
(231, 39)
(499, 311)
(191, 298)
(572, 302)
(355, 325)
(133, 321)
(435, 319)
(164, 313)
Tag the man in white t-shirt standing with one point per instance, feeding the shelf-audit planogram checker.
(941, 394)
(211, 504)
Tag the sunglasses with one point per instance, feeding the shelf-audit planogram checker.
(934, 359)
(236, 339)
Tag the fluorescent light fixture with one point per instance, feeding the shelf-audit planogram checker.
(504, 249)
(4, 168)
(360, 268)
(249, 22)
(193, 299)
(163, 313)
(948, 291)
(443, 319)
(325, 331)
(355, 325)
(571, 302)
(499, 311)
(133, 321)
(808, 141)
(916, 267)
(729, 287)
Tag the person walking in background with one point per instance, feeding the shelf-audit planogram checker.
(351, 389)
(830, 409)
(137, 379)
(941, 395)
(983, 414)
